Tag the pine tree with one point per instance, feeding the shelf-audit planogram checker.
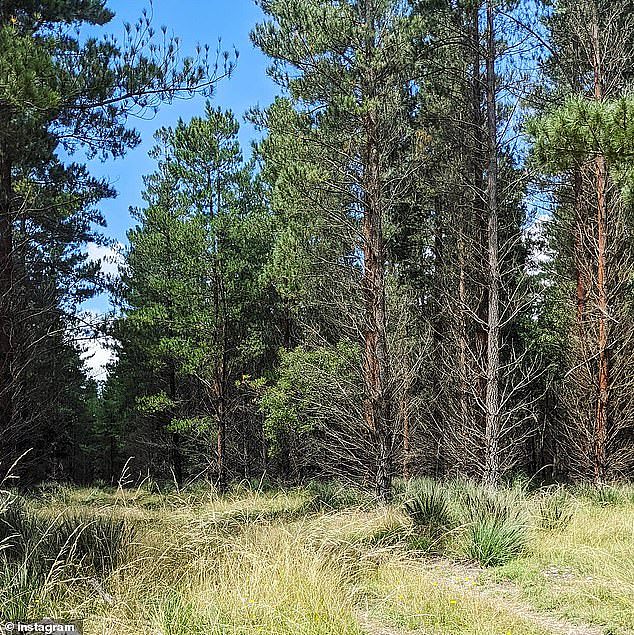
(61, 91)
(459, 243)
(581, 142)
(192, 282)
(348, 68)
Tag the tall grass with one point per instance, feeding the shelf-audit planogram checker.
(271, 578)
(414, 601)
(273, 582)
(332, 495)
(38, 553)
(555, 508)
(496, 523)
(605, 494)
(428, 504)
(488, 525)
(583, 569)
(316, 560)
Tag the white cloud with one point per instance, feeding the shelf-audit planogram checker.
(97, 355)
(96, 348)
(110, 258)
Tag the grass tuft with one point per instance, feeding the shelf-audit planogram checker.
(427, 504)
(492, 542)
(555, 509)
(497, 530)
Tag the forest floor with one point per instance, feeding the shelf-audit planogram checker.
(316, 562)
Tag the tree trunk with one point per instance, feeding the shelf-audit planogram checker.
(6, 290)
(492, 467)
(406, 435)
(463, 365)
(376, 407)
(112, 459)
(579, 260)
(603, 379)
(600, 452)
(476, 332)
(222, 433)
(214, 188)
(177, 460)
(439, 332)
(220, 307)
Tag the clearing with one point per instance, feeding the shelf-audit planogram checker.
(318, 560)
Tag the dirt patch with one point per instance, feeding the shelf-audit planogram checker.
(468, 579)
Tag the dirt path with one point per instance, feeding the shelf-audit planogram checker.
(509, 597)
(506, 595)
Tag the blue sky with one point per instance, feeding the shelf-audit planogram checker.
(193, 21)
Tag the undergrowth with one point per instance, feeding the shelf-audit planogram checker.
(308, 561)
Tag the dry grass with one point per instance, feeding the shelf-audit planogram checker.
(412, 597)
(584, 571)
(282, 563)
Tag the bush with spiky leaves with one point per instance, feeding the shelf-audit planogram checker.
(427, 503)
(496, 530)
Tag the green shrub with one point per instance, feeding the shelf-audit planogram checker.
(427, 504)
(496, 530)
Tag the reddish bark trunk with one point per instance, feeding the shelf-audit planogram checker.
(376, 407)
(600, 450)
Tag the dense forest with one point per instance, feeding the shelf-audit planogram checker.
(424, 265)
